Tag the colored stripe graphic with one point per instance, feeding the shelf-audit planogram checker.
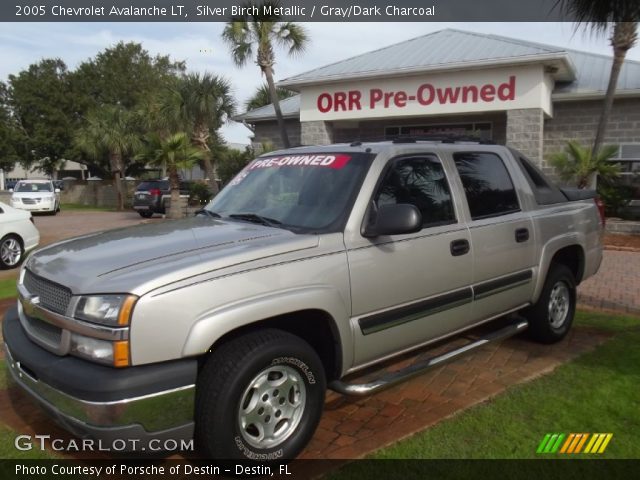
(574, 443)
(550, 443)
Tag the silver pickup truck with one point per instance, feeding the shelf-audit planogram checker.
(312, 264)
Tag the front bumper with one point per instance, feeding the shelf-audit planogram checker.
(146, 403)
(35, 207)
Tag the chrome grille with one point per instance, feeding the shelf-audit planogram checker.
(52, 296)
(30, 201)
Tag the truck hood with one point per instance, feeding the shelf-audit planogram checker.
(140, 258)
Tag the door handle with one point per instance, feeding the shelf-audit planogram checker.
(459, 247)
(522, 235)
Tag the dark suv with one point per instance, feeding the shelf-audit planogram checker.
(151, 195)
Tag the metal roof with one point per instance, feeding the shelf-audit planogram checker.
(444, 49)
(586, 74)
(290, 108)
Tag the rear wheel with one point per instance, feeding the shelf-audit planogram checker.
(11, 252)
(146, 214)
(552, 315)
(259, 397)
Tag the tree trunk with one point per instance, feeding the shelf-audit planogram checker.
(174, 181)
(116, 167)
(268, 72)
(621, 33)
(201, 138)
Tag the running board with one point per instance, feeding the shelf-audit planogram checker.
(391, 378)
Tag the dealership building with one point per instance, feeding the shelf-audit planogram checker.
(530, 96)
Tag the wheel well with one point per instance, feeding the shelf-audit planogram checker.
(316, 327)
(573, 258)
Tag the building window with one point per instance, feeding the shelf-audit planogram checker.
(480, 130)
(628, 157)
(487, 184)
(419, 181)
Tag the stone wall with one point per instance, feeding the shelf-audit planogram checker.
(316, 133)
(269, 132)
(524, 132)
(579, 120)
(96, 193)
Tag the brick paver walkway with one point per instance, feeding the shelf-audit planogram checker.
(616, 286)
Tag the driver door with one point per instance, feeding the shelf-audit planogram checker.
(412, 288)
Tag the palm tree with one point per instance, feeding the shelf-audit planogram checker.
(112, 130)
(579, 165)
(172, 152)
(199, 105)
(619, 18)
(262, 97)
(250, 35)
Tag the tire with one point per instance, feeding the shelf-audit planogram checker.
(146, 214)
(550, 318)
(11, 252)
(242, 411)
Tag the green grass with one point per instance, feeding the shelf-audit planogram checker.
(8, 288)
(598, 392)
(86, 208)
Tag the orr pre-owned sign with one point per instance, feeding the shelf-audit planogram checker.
(443, 93)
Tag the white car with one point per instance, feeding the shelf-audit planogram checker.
(18, 235)
(36, 196)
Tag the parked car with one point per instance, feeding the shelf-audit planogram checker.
(151, 196)
(36, 196)
(313, 263)
(18, 235)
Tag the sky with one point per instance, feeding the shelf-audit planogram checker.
(199, 44)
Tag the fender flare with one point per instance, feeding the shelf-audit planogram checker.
(212, 325)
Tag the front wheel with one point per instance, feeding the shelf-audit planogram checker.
(550, 318)
(146, 214)
(259, 397)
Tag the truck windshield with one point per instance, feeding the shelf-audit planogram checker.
(304, 192)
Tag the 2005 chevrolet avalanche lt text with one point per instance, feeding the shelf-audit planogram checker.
(313, 263)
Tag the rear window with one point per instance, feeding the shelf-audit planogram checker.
(545, 192)
(146, 186)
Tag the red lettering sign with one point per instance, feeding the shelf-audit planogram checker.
(425, 95)
(312, 160)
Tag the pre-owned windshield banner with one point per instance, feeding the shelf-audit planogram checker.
(292, 10)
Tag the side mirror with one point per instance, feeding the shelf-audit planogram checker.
(11, 190)
(394, 219)
(57, 190)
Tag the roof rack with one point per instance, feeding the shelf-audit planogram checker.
(442, 139)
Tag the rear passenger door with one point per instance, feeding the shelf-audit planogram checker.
(407, 289)
(501, 234)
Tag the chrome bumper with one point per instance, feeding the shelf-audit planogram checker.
(170, 410)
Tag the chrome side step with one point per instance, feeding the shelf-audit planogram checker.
(389, 379)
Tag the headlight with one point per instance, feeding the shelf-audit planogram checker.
(101, 351)
(15, 200)
(111, 310)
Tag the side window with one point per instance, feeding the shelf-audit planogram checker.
(487, 184)
(419, 181)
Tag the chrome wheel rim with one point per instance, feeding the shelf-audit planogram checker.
(11, 252)
(271, 407)
(559, 302)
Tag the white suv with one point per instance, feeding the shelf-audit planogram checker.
(36, 196)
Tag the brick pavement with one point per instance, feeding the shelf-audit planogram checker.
(616, 285)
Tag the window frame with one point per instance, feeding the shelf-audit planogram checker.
(383, 174)
(464, 192)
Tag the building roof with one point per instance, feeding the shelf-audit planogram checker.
(579, 73)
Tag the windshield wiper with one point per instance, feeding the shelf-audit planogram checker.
(255, 218)
(209, 213)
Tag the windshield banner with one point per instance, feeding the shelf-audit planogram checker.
(336, 161)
